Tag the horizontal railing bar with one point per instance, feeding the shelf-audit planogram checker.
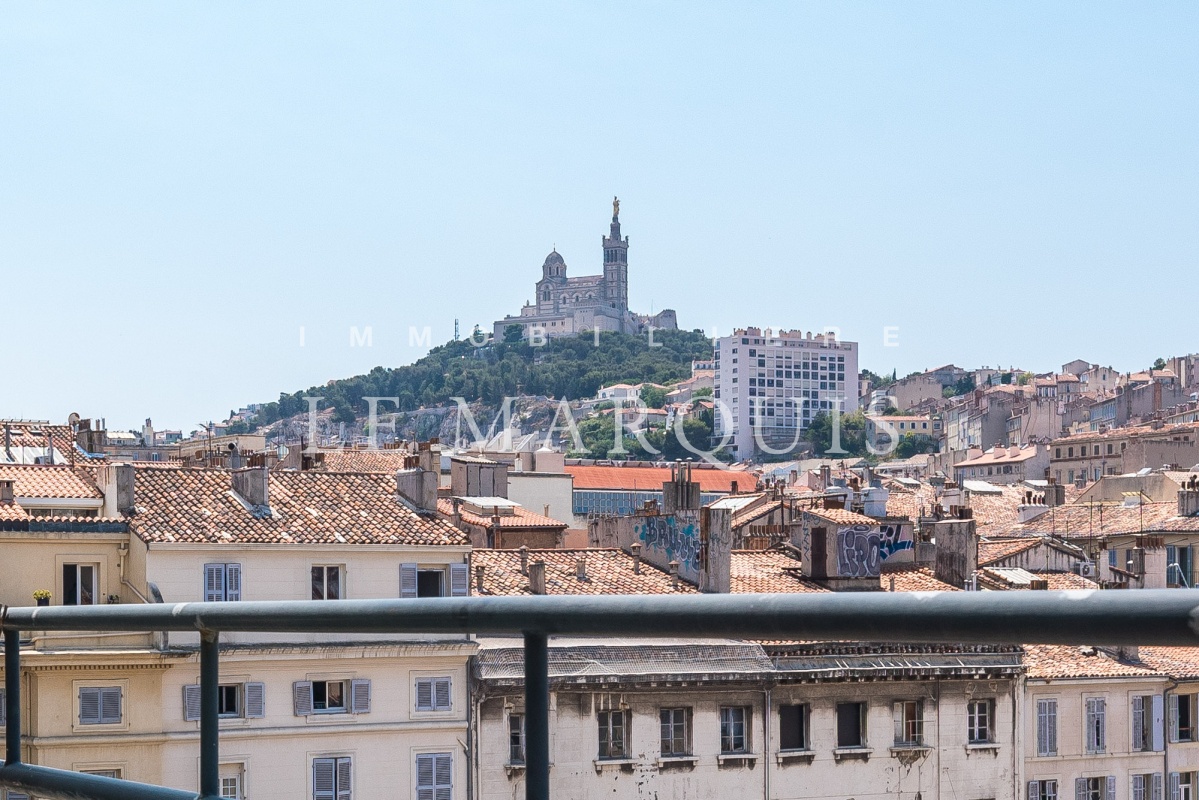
(59, 784)
(1144, 616)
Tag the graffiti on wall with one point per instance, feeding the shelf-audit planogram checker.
(666, 539)
(861, 549)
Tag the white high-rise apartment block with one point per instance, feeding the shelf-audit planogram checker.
(776, 382)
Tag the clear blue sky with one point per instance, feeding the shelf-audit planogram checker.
(183, 186)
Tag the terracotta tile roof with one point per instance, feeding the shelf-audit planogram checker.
(652, 478)
(520, 518)
(1083, 520)
(1000, 455)
(998, 549)
(841, 516)
(22, 434)
(1069, 661)
(609, 571)
(197, 505)
(917, 579)
(1128, 430)
(388, 461)
(46, 481)
(760, 571)
(1177, 662)
(1004, 578)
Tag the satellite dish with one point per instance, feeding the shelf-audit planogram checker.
(73, 419)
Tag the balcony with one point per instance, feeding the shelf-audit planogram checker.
(1160, 617)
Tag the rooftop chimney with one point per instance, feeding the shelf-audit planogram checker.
(8, 442)
(524, 560)
(126, 496)
(252, 484)
(581, 568)
(1188, 501)
(636, 548)
(537, 577)
(479, 570)
(7, 492)
(674, 574)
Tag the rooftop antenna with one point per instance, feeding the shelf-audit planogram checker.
(455, 329)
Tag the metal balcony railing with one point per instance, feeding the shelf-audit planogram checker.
(1161, 617)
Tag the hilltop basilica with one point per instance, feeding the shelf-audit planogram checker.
(569, 306)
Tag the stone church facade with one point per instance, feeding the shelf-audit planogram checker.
(570, 306)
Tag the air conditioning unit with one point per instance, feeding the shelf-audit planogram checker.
(1085, 569)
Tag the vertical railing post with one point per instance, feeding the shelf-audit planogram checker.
(537, 717)
(210, 747)
(12, 697)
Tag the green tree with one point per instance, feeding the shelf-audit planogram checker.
(911, 444)
(513, 334)
(653, 397)
(1159, 363)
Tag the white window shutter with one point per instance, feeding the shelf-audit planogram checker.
(1155, 792)
(214, 583)
(110, 705)
(1034, 790)
(301, 692)
(1174, 791)
(255, 700)
(1173, 704)
(424, 694)
(425, 777)
(1080, 789)
(407, 580)
(1137, 789)
(1110, 793)
(89, 706)
(191, 702)
(459, 580)
(897, 720)
(442, 695)
(1138, 723)
(1155, 729)
(1052, 728)
(3, 708)
(360, 696)
(344, 768)
(323, 778)
(233, 581)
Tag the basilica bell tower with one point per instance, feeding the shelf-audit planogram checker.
(616, 264)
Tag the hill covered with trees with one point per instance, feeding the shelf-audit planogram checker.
(570, 367)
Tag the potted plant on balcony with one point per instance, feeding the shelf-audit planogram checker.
(42, 596)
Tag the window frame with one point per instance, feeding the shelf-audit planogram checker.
(976, 721)
(1094, 725)
(77, 567)
(435, 789)
(680, 718)
(862, 740)
(516, 739)
(605, 729)
(434, 682)
(804, 713)
(1047, 719)
(324, 570)
(344, 708)
(728, 730)
(908, 716)
(101, 720)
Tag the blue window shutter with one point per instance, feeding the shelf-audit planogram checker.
(407, 580)
(324, 778)
(424, 694)
(301, 692)
(344, 786)
(233, 581)
(360, 696)
(1034, 790)
(214, 583)
(1156, 728)
(443, 776)
(191, 702)
(3, 708)
(459, 580)
(442, 695)
(255, 700)
(1138, 723)
(425, 777)
(89, 706)
(110, 705)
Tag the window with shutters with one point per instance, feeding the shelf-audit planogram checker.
(613, 741)
(417, 580)
(1043, 790)
(734, 729)
(851, 724)
(1046, 727)
(79, 584)
(332, 779)
(1182, 717)
(793, 726)
(1102, 788)
(675, 729)
(327, 582)
(516, 739)
(434, 694)
(434, 776)
(234, 701)
(1147, 786)
(1096, 724)
(1142, 723)
(229, 700)
(222, 582)
(104, 773)
(329, 697)
(908, 716)
(980, 722)
(100, 705)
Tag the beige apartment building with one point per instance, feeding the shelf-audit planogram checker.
(1090, 456)
(302, 714)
